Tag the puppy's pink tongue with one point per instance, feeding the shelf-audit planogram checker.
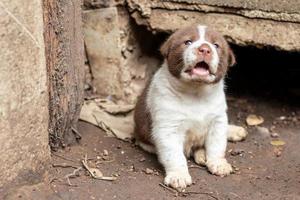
(200, 71)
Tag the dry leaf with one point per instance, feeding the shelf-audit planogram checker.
(253, 120)
(113, 108)
(277, 143)
(120, 126)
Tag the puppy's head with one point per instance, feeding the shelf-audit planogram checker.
(197, 54)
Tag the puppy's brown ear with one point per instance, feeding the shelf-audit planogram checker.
(231, 58)
(165, 48)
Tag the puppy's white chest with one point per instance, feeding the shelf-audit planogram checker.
(195, 109)
(198, 118)
(174, 104)
(192, 115)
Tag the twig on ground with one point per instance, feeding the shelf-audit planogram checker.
(234, 194)
(96, 173)
(77, 134)
(197, 166)
(210, 194)
(104, 127)
(73, 175)
(185, 193)
(53, 179)
(175, 192)
(64, 165)
(105, 161)
(64, 158)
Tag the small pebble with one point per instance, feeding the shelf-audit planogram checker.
(272, 128)
(268, 177)
(236, 152)
(105, 152)
(131, 168)
(149, 171)
(282, 117)
(274, 135)
(116, 174)
(105, 157)
(278, 152)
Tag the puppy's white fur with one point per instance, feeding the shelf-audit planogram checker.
(185, 116)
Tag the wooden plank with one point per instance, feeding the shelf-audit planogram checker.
(64, 59)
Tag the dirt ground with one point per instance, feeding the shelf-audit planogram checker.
(262, 171)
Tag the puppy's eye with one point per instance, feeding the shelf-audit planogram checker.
(188, 42)
(216, 45)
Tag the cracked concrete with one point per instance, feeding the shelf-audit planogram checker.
(257, 23)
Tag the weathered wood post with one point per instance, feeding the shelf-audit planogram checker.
(64, 59)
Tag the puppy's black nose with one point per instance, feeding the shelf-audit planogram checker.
(204, 49)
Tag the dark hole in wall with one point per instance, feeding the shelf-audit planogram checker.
(265, 73)
(148, 42)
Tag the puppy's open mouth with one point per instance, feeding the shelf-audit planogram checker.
(200, 69)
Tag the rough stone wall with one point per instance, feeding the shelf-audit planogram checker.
(23, 92)
(272, 23)
(118, 64)
(137, 65)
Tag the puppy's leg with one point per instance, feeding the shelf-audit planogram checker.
(236, 133)
(200, 157)
(147, 147)
(169, 146)
(215, 144)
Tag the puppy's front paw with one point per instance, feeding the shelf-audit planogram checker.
(236, 133)
(200, 157)
(178, 179)
(219, 167)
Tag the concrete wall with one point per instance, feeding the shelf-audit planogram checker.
(119, 63)
(23, 92)
(272, 23)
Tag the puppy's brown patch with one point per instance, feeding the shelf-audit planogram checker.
(226, 56)
(173, 48)
(142, 118)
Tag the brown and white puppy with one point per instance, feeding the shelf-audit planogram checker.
(182, 112)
